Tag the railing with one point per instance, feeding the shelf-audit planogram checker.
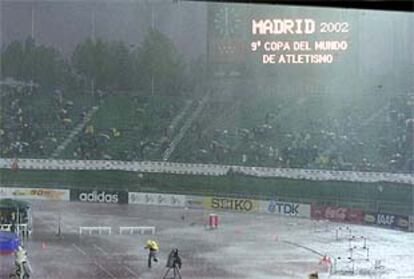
(205, 169)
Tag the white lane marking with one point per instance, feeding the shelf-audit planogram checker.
(131, 271)
(100, 249)
(79, 249)
(106, 271)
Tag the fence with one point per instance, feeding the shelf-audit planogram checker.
(380, 194)
(206, 169)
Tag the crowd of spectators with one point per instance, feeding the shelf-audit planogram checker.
(127, 127)
(381, 140)
(34, 123)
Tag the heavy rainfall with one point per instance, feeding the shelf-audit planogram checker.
(244, 140)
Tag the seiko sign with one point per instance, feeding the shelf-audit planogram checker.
(233, 204)
(97, 196)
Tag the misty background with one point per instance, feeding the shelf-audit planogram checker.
(64, 24)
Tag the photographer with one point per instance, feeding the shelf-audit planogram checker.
(173, 263)
(174, 259)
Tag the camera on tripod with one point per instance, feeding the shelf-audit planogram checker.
(173, 264)
(174, 259)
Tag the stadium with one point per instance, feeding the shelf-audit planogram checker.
(128, 121)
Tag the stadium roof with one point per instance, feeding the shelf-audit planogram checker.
(388, 5)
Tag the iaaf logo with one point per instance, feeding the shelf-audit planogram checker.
(99, 197)
(283, 208)
(385, 219)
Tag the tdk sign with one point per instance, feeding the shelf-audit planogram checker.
(283, 208)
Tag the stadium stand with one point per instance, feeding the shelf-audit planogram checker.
(35, 122)
(306, 136)
(252, 121)
(288, 131)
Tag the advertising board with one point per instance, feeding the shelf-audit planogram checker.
(285, 208)
(99, 196)
(338, 214)
(34, 193)
(195, 202)
(156, 199)
(233, 204)
(392, 221)
(4, 193)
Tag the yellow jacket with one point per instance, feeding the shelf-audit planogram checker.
(152, 245)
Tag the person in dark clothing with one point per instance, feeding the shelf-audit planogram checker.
(173, 264)
(174, 260)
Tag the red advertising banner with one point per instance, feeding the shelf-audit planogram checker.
(355, 215)
(338, 214)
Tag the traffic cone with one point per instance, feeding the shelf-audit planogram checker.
(325, 263)
(325, 260)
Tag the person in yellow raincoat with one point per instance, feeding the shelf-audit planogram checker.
(153, 248)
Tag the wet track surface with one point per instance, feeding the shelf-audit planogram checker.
(244, 245)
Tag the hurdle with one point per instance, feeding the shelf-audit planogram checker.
(355, 239)
(98, 230)
(343, 233)
(343, 265)
(139, 230)
(378, 265)
(358, 257)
